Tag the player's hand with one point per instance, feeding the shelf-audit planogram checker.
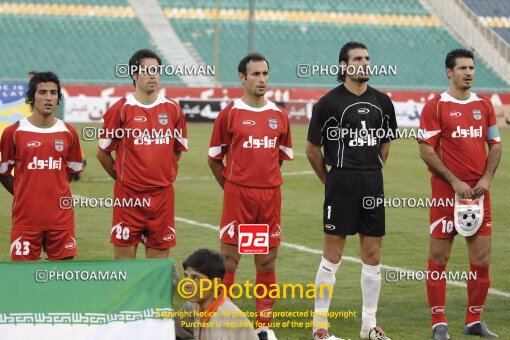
(463, 189)
(481, 187)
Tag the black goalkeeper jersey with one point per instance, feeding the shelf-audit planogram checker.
(351, 128)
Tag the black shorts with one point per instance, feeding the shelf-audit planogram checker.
(349, 204)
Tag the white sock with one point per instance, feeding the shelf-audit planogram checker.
(370, 288)
(325, 276)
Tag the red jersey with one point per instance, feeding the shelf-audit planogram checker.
(458, 130)
(42, 158)
(254, 140)
(144, 138)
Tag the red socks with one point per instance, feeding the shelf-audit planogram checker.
(477, 292)
(436, 292)
(264, 305)
(228, 280)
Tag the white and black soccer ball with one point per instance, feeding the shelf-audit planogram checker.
(469, 218)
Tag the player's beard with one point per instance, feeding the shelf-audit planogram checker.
(464, 87)
(361, 79)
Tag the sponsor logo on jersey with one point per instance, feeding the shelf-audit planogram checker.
(34, 144)
(140, 119)
(437, 310)
(59, 145)
(363, 141)
(163, 118)
(455, 114)
(152, 141)
(248, 122)
(329, 227)
(273, 123)
(41, 164)
(262, 143)
(363, 111)
(472, 132)
(477, 114)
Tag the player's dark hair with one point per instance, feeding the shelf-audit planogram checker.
(344, 56)
(32, 73)
(451, 57)
(138, 56)
(241, 68)
(207, 262)
(41, 77)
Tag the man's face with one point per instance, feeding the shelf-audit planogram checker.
(256, 79)
(357, 65)
(463, 73)
(191, 273)
(46, 98)
(147, 78)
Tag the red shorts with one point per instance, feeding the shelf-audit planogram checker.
(58, 244)
(441, 218)
(250, 205)
(152, 224)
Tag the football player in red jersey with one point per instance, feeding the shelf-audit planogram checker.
(457, 126)
(254, 135)
(148, 133)
(45, 153)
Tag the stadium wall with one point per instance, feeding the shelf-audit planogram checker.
(88, 103)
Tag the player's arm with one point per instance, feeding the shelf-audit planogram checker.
(384, 150)
(217, 167)
(7, 158)
(493, 159)
(430, 158)
(108, 162)
(181, 144)
(107, 142)
(219, 145)
(320, 112)
(285, 153)
(316, 159)
(8, 183)
(390, 124)
(494, 155)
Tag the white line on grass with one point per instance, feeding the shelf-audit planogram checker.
(306, 249)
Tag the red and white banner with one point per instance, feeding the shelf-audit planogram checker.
(88, 103)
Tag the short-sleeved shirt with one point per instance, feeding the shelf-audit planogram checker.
(254, 141)
(459, 130)
(145, 140)
(226, 322)
(351, 128)
(42, 158)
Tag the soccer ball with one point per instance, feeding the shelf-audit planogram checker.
(469, 218)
